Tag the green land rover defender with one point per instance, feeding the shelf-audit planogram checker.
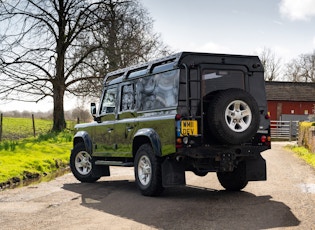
(189, 111)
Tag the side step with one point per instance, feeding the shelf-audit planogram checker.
(114, 163)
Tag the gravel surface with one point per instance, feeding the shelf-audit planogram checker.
(285, 201)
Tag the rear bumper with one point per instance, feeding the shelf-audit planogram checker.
(217, 151)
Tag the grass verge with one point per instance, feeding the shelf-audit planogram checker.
(33, 157)
(303, 153)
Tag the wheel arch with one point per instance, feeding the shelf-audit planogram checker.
(147, 135)
(84, 137)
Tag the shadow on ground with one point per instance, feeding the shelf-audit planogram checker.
(185, 207)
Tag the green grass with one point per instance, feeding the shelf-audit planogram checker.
(43, 155)
(18, 128)
(304, 153)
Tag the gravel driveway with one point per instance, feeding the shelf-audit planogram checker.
(285, 200)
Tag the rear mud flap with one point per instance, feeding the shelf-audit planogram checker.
(101, 170)
(173, 173)
(256, 169)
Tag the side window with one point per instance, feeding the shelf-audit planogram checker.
(158, 91)
(127, 98)
(109, 101)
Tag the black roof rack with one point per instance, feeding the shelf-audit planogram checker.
(143, 68)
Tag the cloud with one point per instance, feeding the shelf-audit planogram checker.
(297, 9)
(278, 22)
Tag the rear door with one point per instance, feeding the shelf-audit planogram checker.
(126, 126)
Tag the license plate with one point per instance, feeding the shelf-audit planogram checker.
(189, 127)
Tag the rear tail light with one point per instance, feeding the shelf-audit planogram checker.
(179, 143)
(178, 117)
(265, 139)
(267, 116)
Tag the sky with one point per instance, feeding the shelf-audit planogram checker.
(286, 27)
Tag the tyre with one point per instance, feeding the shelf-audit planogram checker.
(233, 116)
(81, 164)
(148, 171)
(234, 181)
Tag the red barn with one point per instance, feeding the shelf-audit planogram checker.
(290, 99)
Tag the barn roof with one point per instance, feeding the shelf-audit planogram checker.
(290, 91)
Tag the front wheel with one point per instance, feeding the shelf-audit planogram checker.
(148, 171)
(81, 164)
(236, 180)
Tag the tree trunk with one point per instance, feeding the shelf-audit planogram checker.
(59, 81)
(59, 122)
(59, 92)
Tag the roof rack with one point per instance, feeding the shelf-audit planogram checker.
(142, 69)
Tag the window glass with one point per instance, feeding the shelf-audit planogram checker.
(127, 98)
(158, 91)
(109, 101)
(223, 79)
(137, 73)
(165, 67)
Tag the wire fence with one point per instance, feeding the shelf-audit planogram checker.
(17, 128)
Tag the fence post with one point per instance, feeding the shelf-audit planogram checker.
(290, 138)
(1, 119)
(33, 121)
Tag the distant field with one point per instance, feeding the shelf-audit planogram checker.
(17, 128)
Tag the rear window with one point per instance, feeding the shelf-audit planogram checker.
(223, 79)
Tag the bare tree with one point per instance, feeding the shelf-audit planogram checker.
(302, 69)
(51, 47)
(82, 114)
(126, 40)
(271, 64)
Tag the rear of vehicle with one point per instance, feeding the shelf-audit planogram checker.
(222, 122)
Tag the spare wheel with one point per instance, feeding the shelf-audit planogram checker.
(233, 116)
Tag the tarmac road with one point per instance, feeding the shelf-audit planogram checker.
(285, 201)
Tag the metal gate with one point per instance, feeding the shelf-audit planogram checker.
(284, 130)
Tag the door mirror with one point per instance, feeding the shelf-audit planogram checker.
(93, 109)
